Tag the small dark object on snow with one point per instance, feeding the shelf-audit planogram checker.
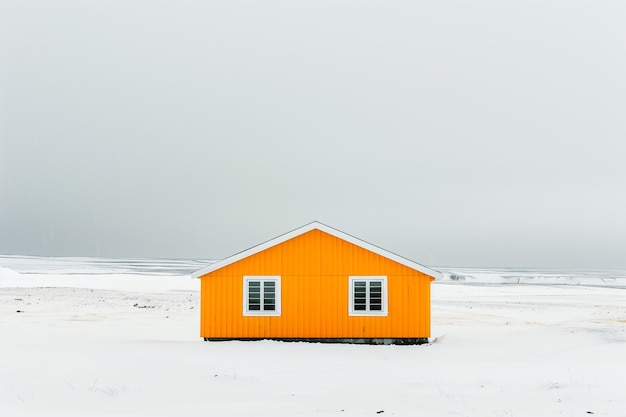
(380, 412)
(589, 412)
(19, 311)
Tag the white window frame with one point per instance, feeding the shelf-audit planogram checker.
(262, 278)
(368, 312)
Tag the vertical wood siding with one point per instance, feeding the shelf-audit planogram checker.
(314, 269)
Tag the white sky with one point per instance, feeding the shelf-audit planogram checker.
(454, 133)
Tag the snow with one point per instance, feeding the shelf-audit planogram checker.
(97, 341)
(589, 278)
(8, 276)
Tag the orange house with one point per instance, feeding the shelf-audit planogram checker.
(316, 283)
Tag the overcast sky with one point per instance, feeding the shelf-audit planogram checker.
(455, 133)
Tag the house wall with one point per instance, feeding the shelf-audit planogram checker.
(314, 269)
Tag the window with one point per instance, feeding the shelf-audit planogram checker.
(368, 296)
(261, 296)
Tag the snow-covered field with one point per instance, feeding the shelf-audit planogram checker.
(120, 337)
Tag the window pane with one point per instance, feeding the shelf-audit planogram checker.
(376, 296)
(269, 295)
(360, 296)
(254, 295)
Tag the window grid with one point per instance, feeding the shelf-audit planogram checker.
(368, 296)
(261, 296)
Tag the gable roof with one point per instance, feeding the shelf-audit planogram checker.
(324, 228)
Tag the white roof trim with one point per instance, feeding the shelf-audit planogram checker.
(327, 229)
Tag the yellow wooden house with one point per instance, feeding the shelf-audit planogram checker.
(316, 283)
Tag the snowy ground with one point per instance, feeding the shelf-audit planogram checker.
(85, 338)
